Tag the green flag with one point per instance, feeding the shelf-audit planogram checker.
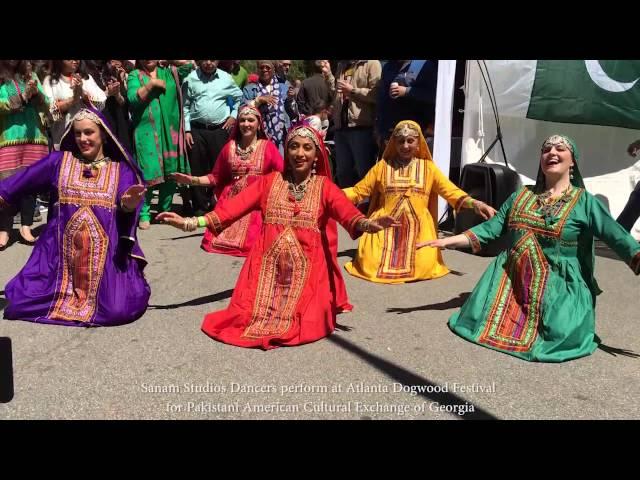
(596, 92)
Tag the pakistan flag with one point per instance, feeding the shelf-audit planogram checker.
(596, 92)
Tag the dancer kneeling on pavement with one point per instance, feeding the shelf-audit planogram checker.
(536, 300)
(86, 267)
(245, 157)
(405, 184)
(287, 292)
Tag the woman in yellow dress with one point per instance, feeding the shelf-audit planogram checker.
(405, 184)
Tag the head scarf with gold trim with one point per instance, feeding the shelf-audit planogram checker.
(402, 129)
(111, 147)
(577, 180)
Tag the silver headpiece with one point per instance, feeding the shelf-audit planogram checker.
(558, 140)
(87, 114)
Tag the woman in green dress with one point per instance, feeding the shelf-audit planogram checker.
(23, 139)
(536, 300)
(155, 101)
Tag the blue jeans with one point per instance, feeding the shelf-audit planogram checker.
(355, 155)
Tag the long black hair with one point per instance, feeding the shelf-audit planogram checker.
(56, 70)
(7, 72)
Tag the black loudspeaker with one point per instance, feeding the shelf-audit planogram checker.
(490, 183)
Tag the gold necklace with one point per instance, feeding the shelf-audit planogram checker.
(89, 167)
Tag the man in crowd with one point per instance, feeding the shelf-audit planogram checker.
(354, 115)
(211, 101)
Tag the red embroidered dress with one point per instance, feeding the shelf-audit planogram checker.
(287, 289)
(231, 175)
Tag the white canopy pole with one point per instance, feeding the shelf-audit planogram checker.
(442, 127)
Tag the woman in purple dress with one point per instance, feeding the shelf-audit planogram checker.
(86, 268)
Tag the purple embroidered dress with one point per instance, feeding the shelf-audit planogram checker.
(86, 268)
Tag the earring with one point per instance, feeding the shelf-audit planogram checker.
(313, 168)
(571, 173)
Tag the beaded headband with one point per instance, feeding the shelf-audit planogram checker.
(85, 114)
(305, 132)
(558, 140)
(405, 130)
(248, 110)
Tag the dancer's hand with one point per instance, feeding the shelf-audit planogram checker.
(182, 178)
(484, 210)
(438, 243)
(132, 197)
(171, 218)
(457, 241)
(368, 225)
(386, 221)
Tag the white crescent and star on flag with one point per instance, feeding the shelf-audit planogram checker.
(604, 81)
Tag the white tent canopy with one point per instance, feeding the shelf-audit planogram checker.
(609, 172)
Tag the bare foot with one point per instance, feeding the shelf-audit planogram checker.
(25, 233)
(144, 225)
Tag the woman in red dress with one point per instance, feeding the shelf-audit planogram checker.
(245, 157)
(288, 290)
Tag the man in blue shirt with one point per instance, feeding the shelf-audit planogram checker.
(211, 100)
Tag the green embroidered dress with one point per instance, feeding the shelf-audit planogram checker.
(536, 300)
(23, 140)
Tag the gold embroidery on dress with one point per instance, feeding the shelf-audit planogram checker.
(399, 179)
(84, 251)
(399, 247)
(526, 213)
(283, 274)
(235, 236)
(76, 189)
(281, 210)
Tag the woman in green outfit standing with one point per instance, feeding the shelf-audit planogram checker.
(155, 101)
(536, 300)
(23, 141)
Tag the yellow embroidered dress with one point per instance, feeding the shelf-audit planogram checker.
(409, 194)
